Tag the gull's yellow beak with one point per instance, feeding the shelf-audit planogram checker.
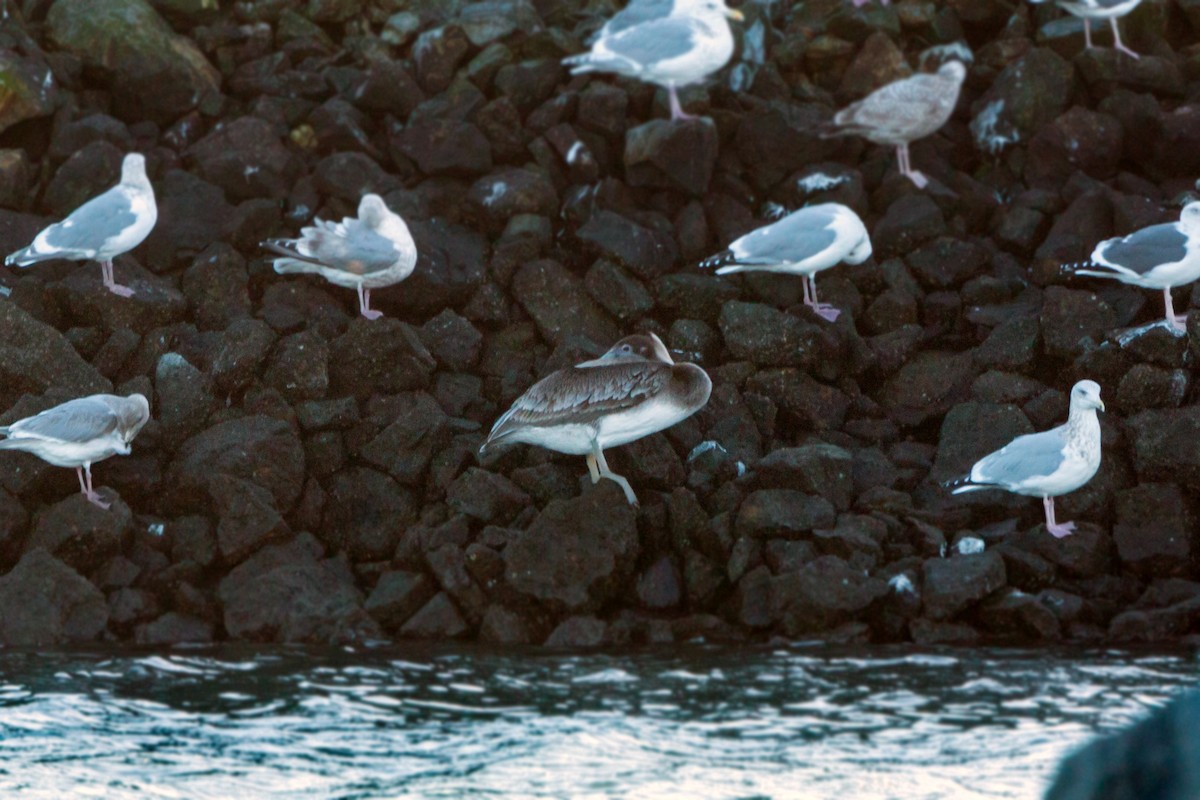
(1101, 402)
(733, 13)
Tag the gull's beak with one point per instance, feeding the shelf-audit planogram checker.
(733, 13)
(1101, 402)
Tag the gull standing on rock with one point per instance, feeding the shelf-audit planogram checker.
(1046, 464)
(804, 242)
(902, 112)
(669, 44)
(633, 390)
(1089, 10)
(79, 433)
(366, 253)
(1157, 257)
(101, 229)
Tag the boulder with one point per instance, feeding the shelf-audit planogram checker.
(46, 602)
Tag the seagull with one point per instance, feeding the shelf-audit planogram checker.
(1099, 9)
(633, 390)
(670, 44)
(1158, 257)
(902, 112)
(102, 228)
(802, 243)
(79, 433)
(366, 253)
(1046, 464)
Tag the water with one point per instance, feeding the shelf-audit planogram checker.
(442, 722)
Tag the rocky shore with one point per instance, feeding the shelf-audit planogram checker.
(309, 475)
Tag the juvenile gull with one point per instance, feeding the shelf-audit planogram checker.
(902, 112)
(1099, 9)
(79, 433)
(670, 48)
(633, 390)
(1158, 257)
(1046, 464)
(366, 253)
(101, 229)
(803, 243)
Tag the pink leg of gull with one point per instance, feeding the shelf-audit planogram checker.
(824, 310)
(906, 167)
(1117, 43)
(1056, 530)
(86, 487)
(110, 281)
(364, 304)
(677, 111)
(1176, 321)
(1087, 32)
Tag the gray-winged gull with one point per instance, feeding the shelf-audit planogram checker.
(670, 45)
(101, 229)
(1099, 9)
(633, 390)
(803, 243)
(902, 112)
(79, 433)
(1046, 464)
(366, 253)
(1157, 257)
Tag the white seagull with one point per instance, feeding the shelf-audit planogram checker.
(1099, 9)
(366, 253)
(102, 228)
(79, 433)
(633, 390)
(1046, 464)
(670, 44)
(1157, 257)
(804, 242)
(902, 112)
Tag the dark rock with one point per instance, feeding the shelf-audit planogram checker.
(622, 295)
(437, 619)
(820, 469)
(366, 513)
(397, 596)
(1147, 386)
(854, 539)
(35, 357)
(174, 628)
(972, 430)
(486, 496)
(1024, 98)
(437, 54)
(183, 398)
(512, 191)
(928, 632)
(769, 337)
(783, 513)
(802, 401)
(299, 366)
(659, 586)
(647, 253)
(909, 221)
(502, 625)
(576, 553)
(445, 147)
(1162, 449)
(926, 386)
(672, 154)
(248, 518)
(80, 533)
(246, 158)
(824, 593)
(452, 340)
(951, 585)
(28, 91)
(449, 567)
(578, 631)
(192, 216)
(1080, 139)
(1154, 533)
(1015, 614)
(382, 356)
(1085, 553)
(48, 603)
(1072, 320)
(406, 447)
(556, 300)
(944, 262)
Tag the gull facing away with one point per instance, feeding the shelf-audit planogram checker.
(1089, 10)
(1157, 257)
(101, 229)
(633, 390)
(669, 44)
(366, 253)
(804, 242)
(1046, 464)
(902, 112)
(79, 433)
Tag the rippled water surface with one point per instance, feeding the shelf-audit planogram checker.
(443, 722)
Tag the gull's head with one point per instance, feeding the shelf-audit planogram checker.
(1085, 395)
(697, 7)
(861, 252)
(953, 70)
(135, 413)
(133, 169)
(372, 210)
(637, 348)
(1190, 216)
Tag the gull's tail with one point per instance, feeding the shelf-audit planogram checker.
(1091, 268)
(964, 484)
(293, 261)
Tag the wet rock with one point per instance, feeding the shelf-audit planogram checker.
(48, 603)
(578, 631)
(646, 252)
(397, 596)
(576, 553)
(558, 302)
(502, 625)
(672, 154)
(248, 519)
(260, 449)
(152, 72)
(382, 356)
(35, 357)
(818, 469)
(1154, 533)
(437, 619)
(1014, 614)
(951, 585)
(783, 513)
(366, 513)
(174, 628)
(824, 593)
(769, 337)
(246, 158)
(287, 593)
(659, 586)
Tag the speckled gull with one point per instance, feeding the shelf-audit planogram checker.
(633, 390)
(1157, 257)
(101, 229)
(1099, 9)
(79, 433)
(366, 253)
(1046, 464)
(804, 242)
(902, 112)
(671, 45)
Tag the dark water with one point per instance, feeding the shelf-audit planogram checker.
(456, 722)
